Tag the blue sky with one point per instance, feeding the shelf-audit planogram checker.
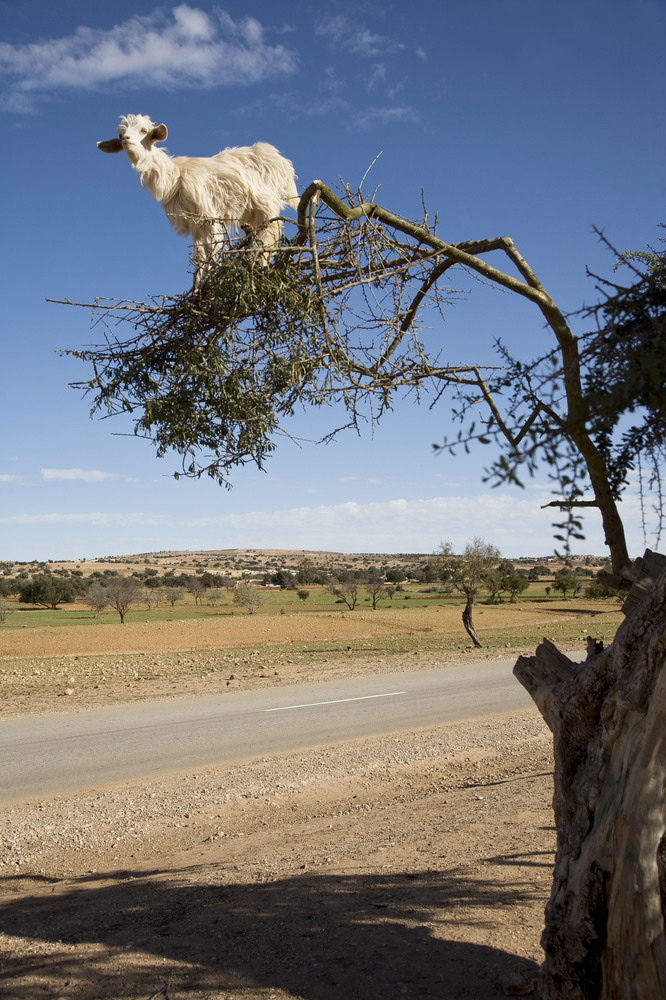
(523, 118)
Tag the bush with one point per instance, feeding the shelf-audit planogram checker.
(600, 591)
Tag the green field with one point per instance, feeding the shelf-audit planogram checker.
(276, 602)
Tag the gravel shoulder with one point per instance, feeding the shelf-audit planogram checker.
(413, 865)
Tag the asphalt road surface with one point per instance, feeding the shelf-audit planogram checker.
(52, 755)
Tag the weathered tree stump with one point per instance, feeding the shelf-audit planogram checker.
(604, 935)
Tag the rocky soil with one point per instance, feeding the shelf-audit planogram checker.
(414, 865)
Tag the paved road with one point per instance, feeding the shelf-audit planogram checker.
(66, 753)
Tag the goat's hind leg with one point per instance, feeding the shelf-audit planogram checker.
(266, 237)
(203, 254)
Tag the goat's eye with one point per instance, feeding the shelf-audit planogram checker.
(144, 131)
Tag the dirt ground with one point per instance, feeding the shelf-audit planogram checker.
(69, 668)
(414, 865)
(270, 628)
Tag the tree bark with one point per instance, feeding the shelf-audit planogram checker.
(604, 936)
(469, 624)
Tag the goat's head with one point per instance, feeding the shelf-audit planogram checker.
(136, 135)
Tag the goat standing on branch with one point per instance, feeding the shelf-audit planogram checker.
(206, 198)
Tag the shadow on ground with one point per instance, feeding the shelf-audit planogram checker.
(313, 936)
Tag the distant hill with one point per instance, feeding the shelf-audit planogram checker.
(255, 562)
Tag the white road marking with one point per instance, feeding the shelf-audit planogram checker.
(337, 701)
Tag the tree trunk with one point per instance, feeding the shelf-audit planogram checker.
(468, 623)
(604, 936)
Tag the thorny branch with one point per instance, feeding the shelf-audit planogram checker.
(337, 317)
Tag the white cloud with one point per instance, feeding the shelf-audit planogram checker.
(513, 521)
(193, 23)
(87, 475)
(186, 48)
(6, 477)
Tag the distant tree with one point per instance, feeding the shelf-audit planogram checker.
(376, 589)
(196, 588)
(246, 595)
(302, 594)
(496, 584)
(151, 596)
(123, 592)
(5, 610)
(97, 598)
(214, 594)
(515, 583)
(426, 573)
(174, 594)
(346, 591)
(468, 574)
(306, 572)
(283, 578)
(565, 581)
(48, 591)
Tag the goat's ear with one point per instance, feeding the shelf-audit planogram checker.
(159, 133)
(110, 146)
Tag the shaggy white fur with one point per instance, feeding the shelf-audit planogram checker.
(207, 198)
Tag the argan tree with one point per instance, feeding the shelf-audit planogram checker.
(97, 598)
(376, 590)
(48, 591)
(216, 376)
(468, 574)
(122, 593)
(346, 592)
(515, 583)
(246, 595)
(565, 581)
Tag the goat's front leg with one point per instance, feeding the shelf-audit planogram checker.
(201, 258)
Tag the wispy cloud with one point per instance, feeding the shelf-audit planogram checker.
(355, 37)
(86, 475)
(378, 75)
(185, 47)
(6, 477)
(366, 118)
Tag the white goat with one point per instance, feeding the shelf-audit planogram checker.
(207, 198)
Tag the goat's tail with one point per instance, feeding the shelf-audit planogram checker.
(292, 197)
